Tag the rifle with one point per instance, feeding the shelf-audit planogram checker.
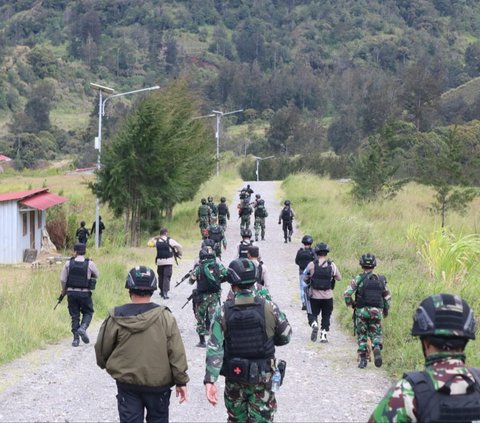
(188, 300)
(354, 323)
(184, 278)
(59, 300)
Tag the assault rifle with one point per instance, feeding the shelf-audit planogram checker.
(59, 300)
(184, 278)
(188, 300)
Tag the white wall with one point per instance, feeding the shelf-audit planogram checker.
(10, 251)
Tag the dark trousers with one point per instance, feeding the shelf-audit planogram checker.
(164, 276)
(80, 304)
(287, 229)
(132, 403)
(321, 306)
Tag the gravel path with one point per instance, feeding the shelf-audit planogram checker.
(323, 384)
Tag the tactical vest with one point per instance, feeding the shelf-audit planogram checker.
(164, 250)
(215, 233)
(246, 210)
(370, 291)
(287, 214)
(208, 276)
(243, 249)
(259, 273)
(222, 209)
(434, 405)
(78, 274)
(322, 276)
(260, 211)
(203, 210)
(304, 256)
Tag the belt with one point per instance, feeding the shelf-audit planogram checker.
(78, 289)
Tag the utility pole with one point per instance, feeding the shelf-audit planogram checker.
(258, 161)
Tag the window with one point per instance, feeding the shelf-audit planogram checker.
(25, 223)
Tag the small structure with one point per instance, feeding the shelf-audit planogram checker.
(22, 220)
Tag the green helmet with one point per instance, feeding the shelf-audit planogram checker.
(142, 278)
(444, 315)
(241, 272)
(368, 261)
(223, 199)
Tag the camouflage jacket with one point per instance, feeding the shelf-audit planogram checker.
(215, 348)
(399, 403)
(258, 290)
(368, 312)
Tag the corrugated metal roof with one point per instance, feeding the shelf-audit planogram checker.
(20, 195)
(4, 158)
(43, 201)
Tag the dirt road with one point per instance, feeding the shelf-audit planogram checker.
(323, 384)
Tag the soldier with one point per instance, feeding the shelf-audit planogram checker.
(286, 216)
(101, 226)
(320, 276)
(82, 233)
(77, 280)
(242, 343)
(262, 276)
(371, 304)
(246, 242)
(203, 220)
(260, 215)
(217, 235)
(223, 213)
(140, 346)
(212, 206)
(244, 212)
(245, 193)
(167, 251)
(446, 390)
(208, 274)
(304, 256)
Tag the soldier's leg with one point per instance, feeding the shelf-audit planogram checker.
(290, 231)
(213, 303)
(262, 403)
(74, 310)
(235, 402)
(200, 314)
(375, 333)
(285, 231)
(313, 318)
(86, 308)
(262, 225)
(362, 334)
(167, 276)
(327, 309)
(302, 291)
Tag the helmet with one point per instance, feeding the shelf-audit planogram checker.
(210, 199)
(82, 223)
(142, 278)
(368, 260)
(444, 315)
(223, 199)
(241, 272)
(208, 243)
(260, 202)
(307, 240)
(80, 248)
(257, 196)
(246, 233)
(203, 201)
(287, 202)
(321, 248)
(206, 253)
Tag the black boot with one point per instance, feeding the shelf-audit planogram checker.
(76, 340)
(362, 362)
(82, 331)
(377, 357)
(202, 343)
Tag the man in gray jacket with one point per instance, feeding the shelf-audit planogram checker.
(140, 346)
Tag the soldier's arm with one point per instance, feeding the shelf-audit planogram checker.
(283, 330)
(94, 273)
(336, 272)
(387, 297)
(397, 405)
(215, 351)
(176, 350)
(228, 214)
(347, 295)
(308, 272)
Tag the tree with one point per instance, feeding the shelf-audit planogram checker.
(158, 158)
(444, 164)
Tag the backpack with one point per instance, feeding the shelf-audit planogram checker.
(287, 214)
(243, 249)
(304, 256)
(203, 210)
(246, 210)
(210, 273)
(322, 276)
(215, 233)
(222, 209)
(261, 211)
(370, 291)
(82, 234)
(438, 405)
(164, 249)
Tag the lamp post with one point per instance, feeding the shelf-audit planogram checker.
(98, 139)
(218, 114)
(258, 161)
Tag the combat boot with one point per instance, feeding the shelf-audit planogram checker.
(82, 331)
(76, 341)
(363, 361)
(202, 343)
(377, 357)
(323, 336)
(314, 334)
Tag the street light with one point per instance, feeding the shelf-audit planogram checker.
(218, 114)
(98, 139)
(258, 161)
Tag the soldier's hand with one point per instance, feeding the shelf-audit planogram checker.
(211, 392)
(182, 393)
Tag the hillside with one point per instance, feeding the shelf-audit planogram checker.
(352, 63)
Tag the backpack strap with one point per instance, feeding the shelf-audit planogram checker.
(424, 392)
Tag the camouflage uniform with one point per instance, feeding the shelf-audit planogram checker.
(244, 401)
(399, 403)
(244, 214)
(368, 320)
(203, 218)
(257, 289)
(218, 245)
(213, 207)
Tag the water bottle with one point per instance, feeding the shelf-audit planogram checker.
(276, 379)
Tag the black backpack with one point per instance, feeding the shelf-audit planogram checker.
(243, 249)
(287, 214)
(304, 256)
(215, 233)
(322, 276)
(261, 211)
(222, 209)
(164, 249)
(370, 291)
(434, 405)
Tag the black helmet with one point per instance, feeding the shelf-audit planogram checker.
(260, 202)
(206, 253)
(246, 233)
(208, 243)
(368, 260)
(307, 240)
(210, 199)
(203, 201)
(322, 248)
(287, 202)
(80, 248)
(223, 199)
(142, 278)
(444, 315)
(257, 196)
(241, 272)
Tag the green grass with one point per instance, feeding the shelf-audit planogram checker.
(326, 211)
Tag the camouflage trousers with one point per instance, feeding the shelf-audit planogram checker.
(366, 328)
(249, 403)
(259, 227)
(222, 221)
(206, 304)
(245, 222)
(203, 224)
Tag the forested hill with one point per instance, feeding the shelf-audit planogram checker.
(321, 75)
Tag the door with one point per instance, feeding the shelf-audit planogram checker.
(32, 230)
